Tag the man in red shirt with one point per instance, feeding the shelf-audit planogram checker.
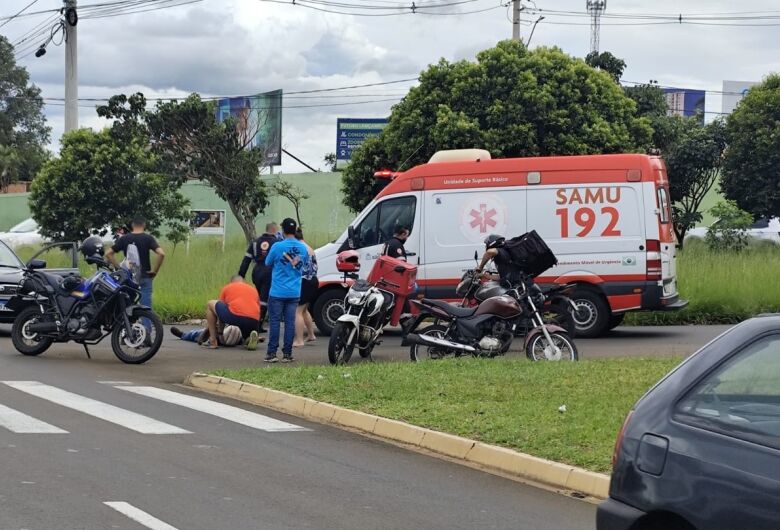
(238, 305)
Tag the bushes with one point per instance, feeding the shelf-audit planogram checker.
(723, 287)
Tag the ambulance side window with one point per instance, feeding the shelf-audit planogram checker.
(377, 227)
(663, 205)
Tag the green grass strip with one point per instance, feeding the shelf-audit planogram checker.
(508, 402)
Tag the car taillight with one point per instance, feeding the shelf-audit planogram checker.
(654, 273)
(619, 441)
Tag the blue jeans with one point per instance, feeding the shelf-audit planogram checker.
(192, 336)
(278, 309)
(146, 292)
(146, 298)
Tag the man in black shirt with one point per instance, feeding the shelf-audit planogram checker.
(395, 246)
(508, 272)
(261, 274)
(144, 244)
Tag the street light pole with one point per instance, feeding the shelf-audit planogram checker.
(71, 67)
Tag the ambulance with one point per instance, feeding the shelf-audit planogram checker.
(607, 218)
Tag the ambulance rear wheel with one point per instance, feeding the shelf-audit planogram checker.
(593, 314)
(327, 309)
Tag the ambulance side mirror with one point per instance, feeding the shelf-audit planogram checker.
(351, 237)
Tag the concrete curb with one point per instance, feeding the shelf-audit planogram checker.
(491, 457)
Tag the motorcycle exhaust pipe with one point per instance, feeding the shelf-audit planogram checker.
(425, 340)
(42, 327)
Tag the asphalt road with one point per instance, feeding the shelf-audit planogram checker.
(177, 358)
(98, 444)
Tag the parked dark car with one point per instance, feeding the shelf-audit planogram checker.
(11, 271)
(701, 450)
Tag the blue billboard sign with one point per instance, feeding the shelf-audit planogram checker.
(352, 132)
(685, 102)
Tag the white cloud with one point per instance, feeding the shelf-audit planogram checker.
(226, 47)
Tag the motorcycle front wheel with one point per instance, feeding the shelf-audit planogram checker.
(339, 352)
(26, 342)
(144, 341)
(540, 349)
(420, 352)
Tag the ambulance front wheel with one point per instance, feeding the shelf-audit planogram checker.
(327, 309)
(593, 314)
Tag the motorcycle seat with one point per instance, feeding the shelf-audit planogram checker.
(450, 309)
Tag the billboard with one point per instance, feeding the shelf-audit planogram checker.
(685, 102)
(351, 133)
(208, 222)
(259, 121)
(733, 92)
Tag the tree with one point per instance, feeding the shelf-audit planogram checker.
(730, 230)
(751, 169)
(693, 162)
(651, 103)
(23, 129)
(189, 143)
(512, 102)
(608, 63)
(292, 193)
(98, 181)
(330, 161)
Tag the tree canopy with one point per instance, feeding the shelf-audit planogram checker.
(693, 163)
(608, 63)
(751, 169)
(23, 130)
(512, 102)
(189, 143)
(98, 181)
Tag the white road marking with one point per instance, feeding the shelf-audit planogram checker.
(17, 422)
(98, 409)
(227, 412)
(139, 516)
(115, 382)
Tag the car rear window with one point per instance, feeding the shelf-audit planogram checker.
(741, 398)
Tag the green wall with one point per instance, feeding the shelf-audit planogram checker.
(323, 215)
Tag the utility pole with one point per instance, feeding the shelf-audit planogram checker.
(71, 67)
(516, 8)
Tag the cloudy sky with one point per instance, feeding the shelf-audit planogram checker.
(235, 47)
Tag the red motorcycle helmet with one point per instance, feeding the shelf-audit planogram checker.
(348, 261)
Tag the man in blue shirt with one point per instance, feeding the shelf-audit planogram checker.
(287, 259)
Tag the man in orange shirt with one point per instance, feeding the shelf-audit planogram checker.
(238, 305)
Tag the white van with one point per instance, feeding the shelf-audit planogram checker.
(607, 218)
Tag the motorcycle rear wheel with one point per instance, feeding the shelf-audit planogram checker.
(145, 342)
(536, 349)
(431, 353)
(339, 352)
(25, 342)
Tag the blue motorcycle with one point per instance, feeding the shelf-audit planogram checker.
(52, 309)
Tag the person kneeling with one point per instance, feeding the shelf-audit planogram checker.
(238, 305)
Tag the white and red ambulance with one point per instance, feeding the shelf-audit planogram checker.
(606, 217)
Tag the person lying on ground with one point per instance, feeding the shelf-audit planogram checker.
(238, 305)
(229, 336)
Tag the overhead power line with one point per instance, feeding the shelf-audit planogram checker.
(25, 8)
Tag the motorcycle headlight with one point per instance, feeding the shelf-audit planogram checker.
(354, 298)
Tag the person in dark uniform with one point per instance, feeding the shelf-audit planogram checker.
(395, 246)
(261, 274)
(494, 250)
